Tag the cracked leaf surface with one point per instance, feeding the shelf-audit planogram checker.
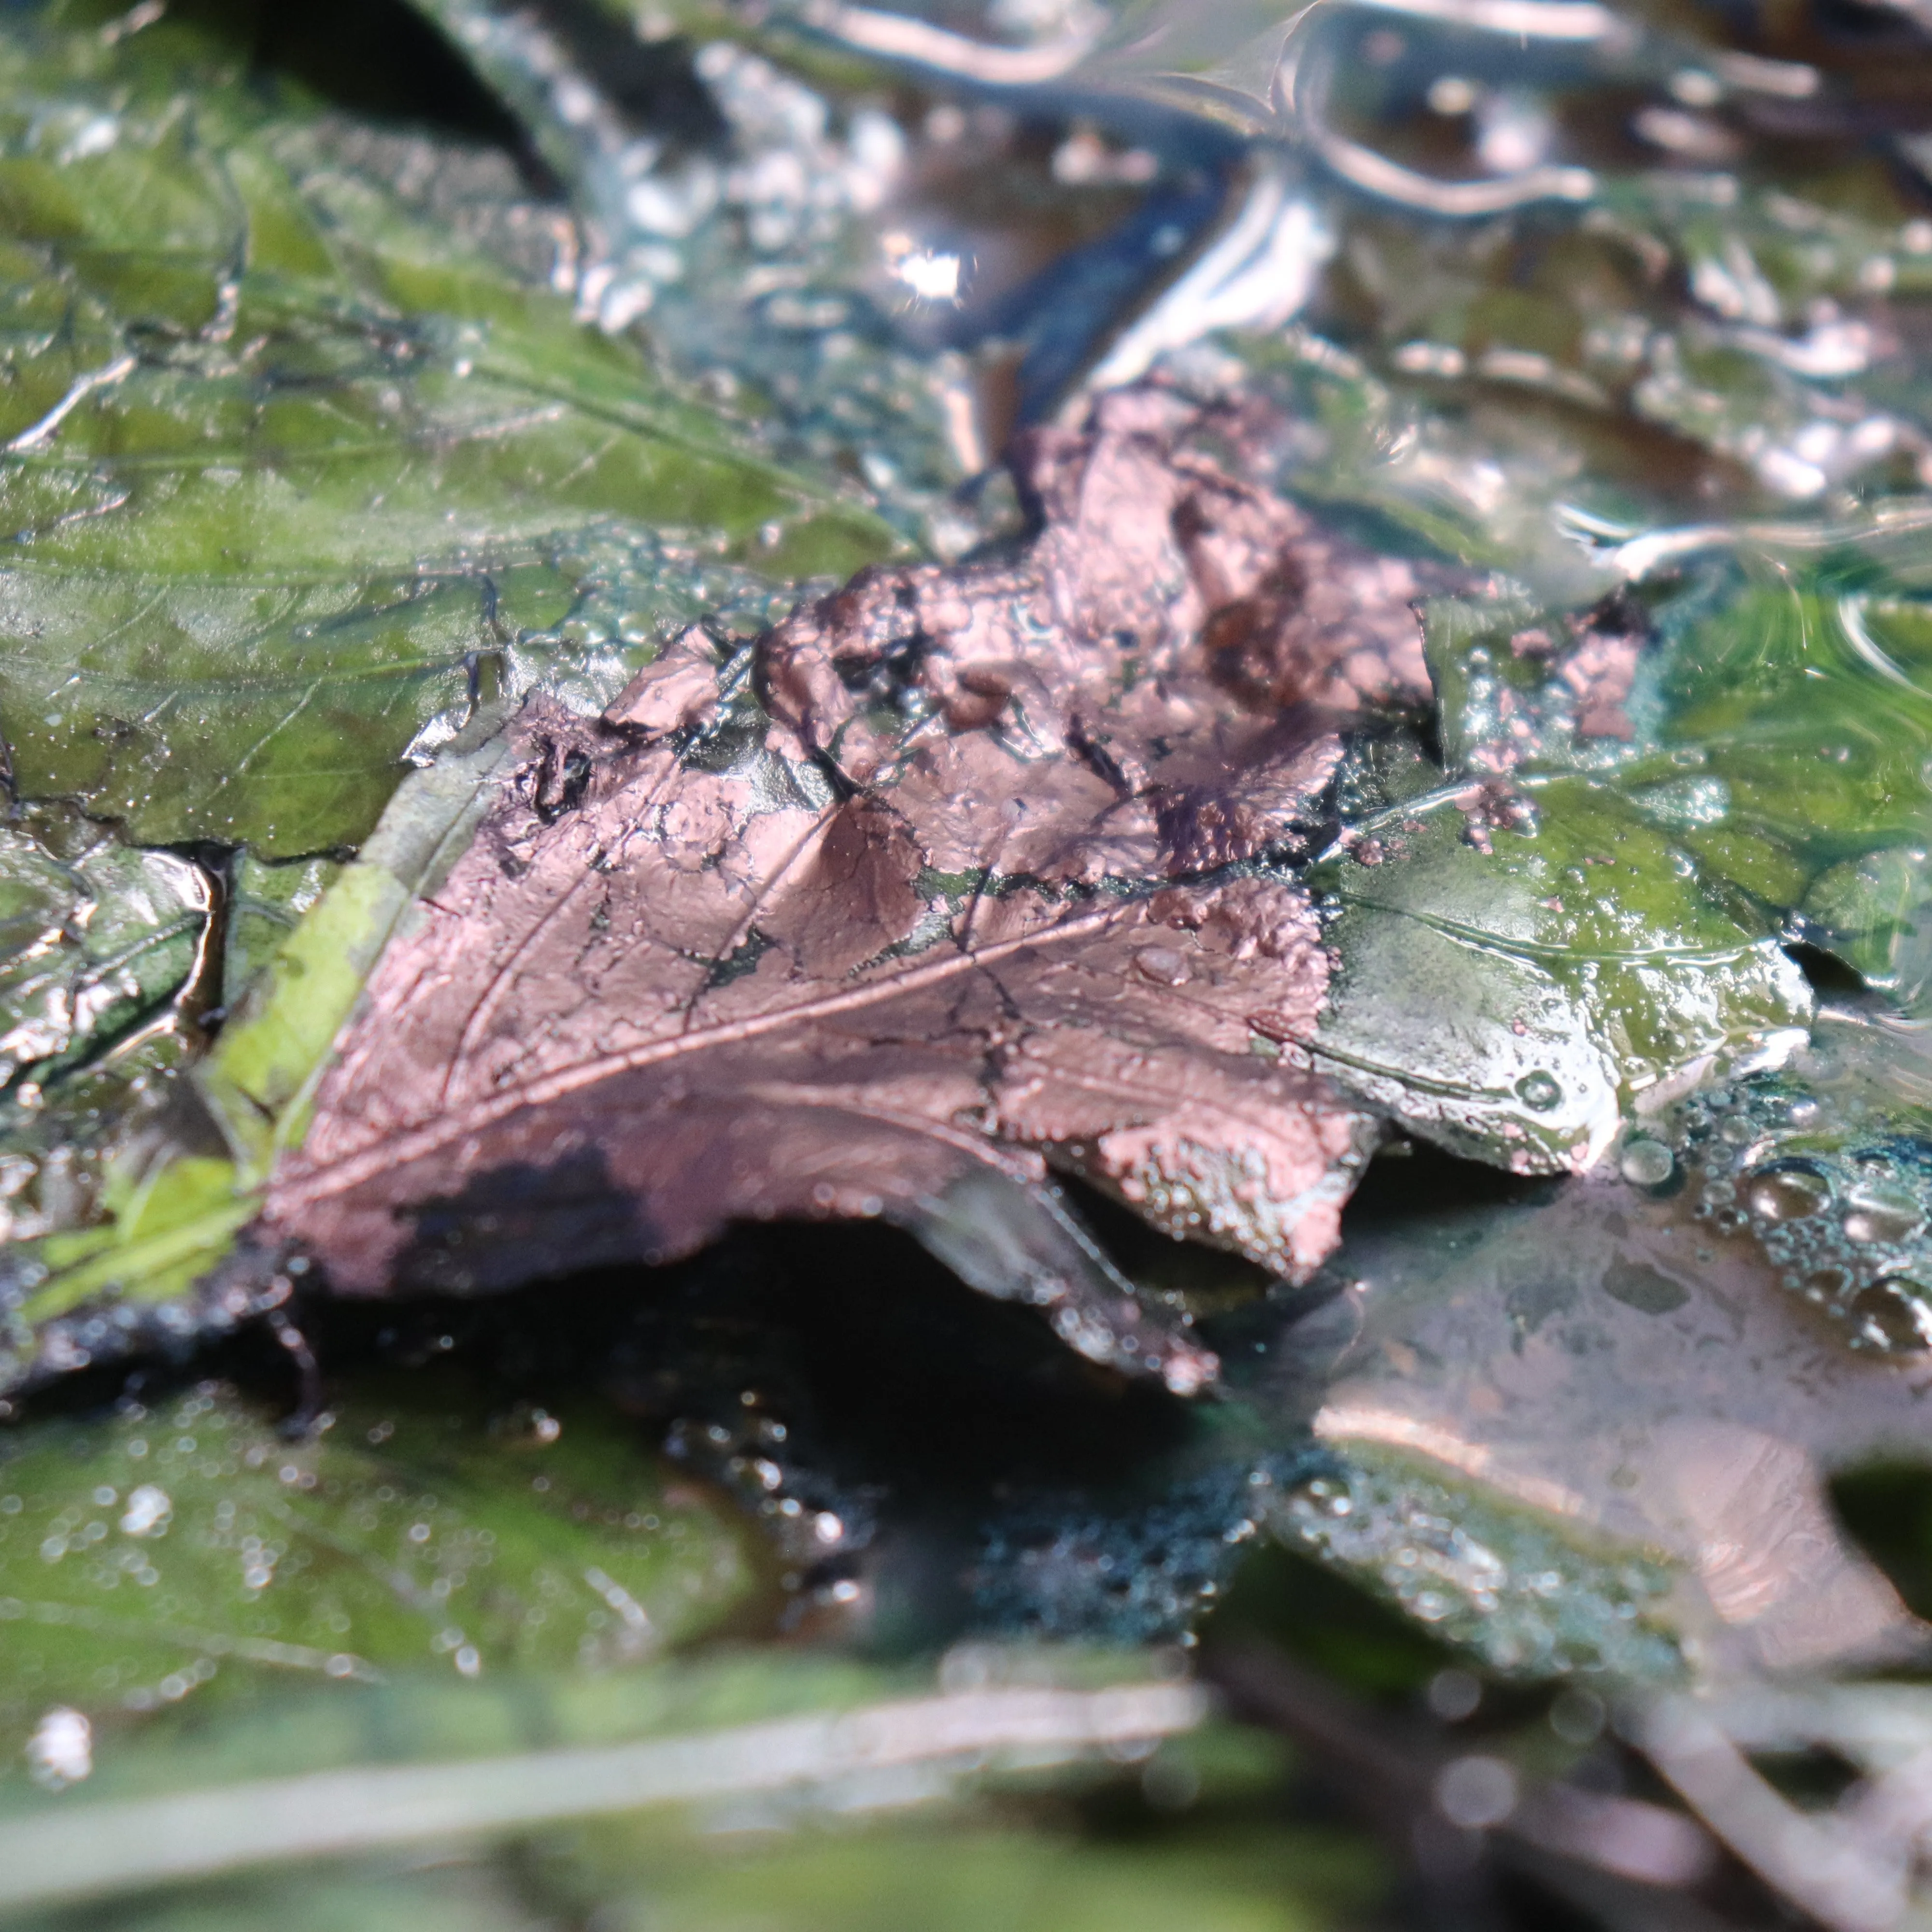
(955, 871)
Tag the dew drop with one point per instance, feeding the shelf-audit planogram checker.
(1894, 1314)
(1881, 1214)
(1162, 964)
(1645, 1163)
(1539, 1091)
(1785, 1193)
(1476, 1791)
(61, 1751)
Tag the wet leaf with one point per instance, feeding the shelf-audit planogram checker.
(1518, 970)
(108, 978)
(1875, 913)
(814, 227)
(192, 1551)
(176, 1188)
(1574, 1428)
(1610, 1361)
(1763, 718)
(1531, 1597)
(1801, 699)
(99, 938)
(266, 901)
(291, 475)
(951, 873)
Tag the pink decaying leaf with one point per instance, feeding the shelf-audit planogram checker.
(957, 876)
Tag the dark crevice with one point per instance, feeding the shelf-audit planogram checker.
(652, 83)
(1886, 1508)
(376, 58)
(933, 1405)
(202, 1003)
(1412, 1180)
(1828, 976)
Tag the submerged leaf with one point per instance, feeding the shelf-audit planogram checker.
(953, 874)
(1612, 1359)
(1875, 913)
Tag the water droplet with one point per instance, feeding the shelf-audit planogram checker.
(148, 1513)
(1645, 1163)
(1453, 1695)
(1787, 1191)
(1577, 1717)
(1476, 1791)
(1894, 1314)
(1881, 1214)
(1538, 1090)
(1737, 1130)
(61, 1751)
(1162, 964)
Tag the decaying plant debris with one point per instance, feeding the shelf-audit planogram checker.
(957, 872)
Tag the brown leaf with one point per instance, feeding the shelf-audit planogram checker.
(957, 875)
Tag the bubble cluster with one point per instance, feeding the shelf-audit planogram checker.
(1519, 1596)
(1845, 1219)
(1138, 1576)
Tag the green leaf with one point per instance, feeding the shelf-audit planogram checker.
(171, 1207)
(95, 939)
(1876, 914)
(265, 902)
(192, 1550)
(1530, 1594)
(259, 1078)
(292, 475)
(1510, 1003)
(1807, 702)
(105, 977)
(1257, 1879)
(770, 1742)
(1778, 731)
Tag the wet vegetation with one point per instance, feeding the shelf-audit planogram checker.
(965, 965)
